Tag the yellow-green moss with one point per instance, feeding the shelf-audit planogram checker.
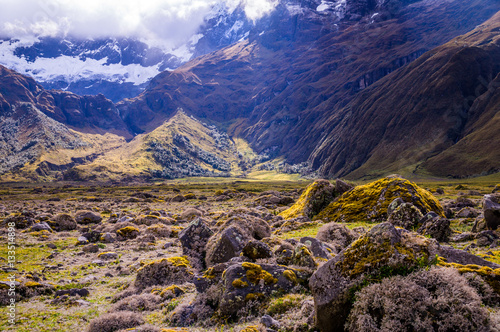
(298, 209)
(31, 284)
(285, 303)
(369, 202)
(105, 253)
(127, 231)
(176, 230)
(255, 273)
(491, 276)
(290, 275)
(209, 274)
(254, 296)
(171, 290)
(179, 261)
(238, 283)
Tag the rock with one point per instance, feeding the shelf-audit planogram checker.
(63, 222)
(394, 205)
(99, 262)
(406, 215)
(316, 247)
(439, 191)
(385, 247)
(370, 202)
(87, 217)
(51, 246)
(191, 214)
(178, 199)
(270, 322)
(486, 238)
(82, 240)
(83, 292)
(194, 239)
(91, 248)
(127, 233)
(303, 257)
(479, 224)
(491, 210)
(339, 236)
(223, 246)
(462, 257)
(437, 228)
(41, 226)
(467, 212)
(466, 236)
(165, 271)
(312, 201)
(107, 256)
(496, 189)
(22, 220)
(342, 187)
(92, 235)
(245, 282)
(255, 249)
(107, 238)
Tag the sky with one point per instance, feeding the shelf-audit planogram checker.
(170, 20)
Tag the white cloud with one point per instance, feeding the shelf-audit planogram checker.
(168, 20)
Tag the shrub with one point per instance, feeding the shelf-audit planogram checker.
(115, 321)
(436, 300)
(136, 303)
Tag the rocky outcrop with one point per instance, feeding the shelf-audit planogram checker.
(491, 210)
(314, 199)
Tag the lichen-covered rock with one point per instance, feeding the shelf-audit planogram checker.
(370, 202)
(437, 228)
(87, 217)
(40, 226)
(252, 225)
(317, 248)
(63, 222)
(383, 249)
(486, 238)
(247, 282)
(303, 257)
(191, 214)
(337, 235)
(467, 212)
(127, 233)
(406, 215)
(491, 208)
(225, 245)
(21, 220)
(496, 189)
(165, 271)
(257, 250)
(194, 239)
(342, 187)
(314, 199)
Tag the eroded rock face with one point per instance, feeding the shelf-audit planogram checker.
(491, 208)
(314, 199)
(371, 201)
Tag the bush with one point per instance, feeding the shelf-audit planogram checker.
(436, 300)
(115, 321)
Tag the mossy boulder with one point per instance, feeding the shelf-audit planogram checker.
(165, 271)
(370, 202)
(194, 238)
(63, 222)
(245, 282)
(405, 215)
(314, 199)
(127, 233)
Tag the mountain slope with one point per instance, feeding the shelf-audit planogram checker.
(442, 106)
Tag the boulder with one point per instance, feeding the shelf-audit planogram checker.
(87, 217)
(371, 201)
(312, 201)
(63, 222)
(337, 235)
(40, 226)
(316, 247)
(437, 228)
(491, 210)
(255, 249)
(245, 282)
(90, 248)
(127, 233)
(165, 271)
(342, 187)
(194, 239)
(467, 212)
(486, 238)
(225, 245)
(406, 215)
(190, 214)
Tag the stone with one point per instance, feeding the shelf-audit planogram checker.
(178, 199)
(193, 239)
(342, 187)
(225, 245)
(91, 248)
(406, 215)
(255, 249)
(107, 256)
(63, 222)
(336, 235)
(87, 217)
(486, 238)
(190, 214)
(51, 246)
(467, 212)
(108, 238)
(303, 257)
(83, 292)
(491, 210)
(92, 235)
(316, 247)
(436, 227)
(465, 236)
(41, 226)
(82, 240)
(165, 271)
(269, 322)
(312, 201)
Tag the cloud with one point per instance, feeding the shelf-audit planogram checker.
(168, 20)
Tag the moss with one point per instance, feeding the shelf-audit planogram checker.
(281, 305)
(369, 202)
(252, 328)
(41, 234)
(290, 275)
(32, 284)
(254, 296)
(105, 253)
(255, 273)
(179, 261)
(238, 283)
(173, 290)
(209, 274)
(127, 232)
(305, 202)
(491, 276)
(176, 230)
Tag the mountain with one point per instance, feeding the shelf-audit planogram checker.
(118, 67)
(297, 89)
(344, 88)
